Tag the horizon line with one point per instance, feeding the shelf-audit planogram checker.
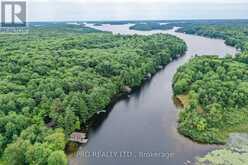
(138, 20)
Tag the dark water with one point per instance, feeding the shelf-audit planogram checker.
(147, 121)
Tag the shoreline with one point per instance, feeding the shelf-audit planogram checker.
(124, 95)
(98, 118)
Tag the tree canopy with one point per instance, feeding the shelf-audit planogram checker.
(55, 78)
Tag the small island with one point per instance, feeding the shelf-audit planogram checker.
(148, 26)
(97, 24)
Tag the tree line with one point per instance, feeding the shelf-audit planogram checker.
(217, 88)
(235, 33)
(54, 79)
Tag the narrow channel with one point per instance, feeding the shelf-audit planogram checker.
(146, 122)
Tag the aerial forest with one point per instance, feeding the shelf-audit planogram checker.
(216, 89)
(56, 78)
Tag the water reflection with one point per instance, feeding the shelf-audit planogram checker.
(147, 121)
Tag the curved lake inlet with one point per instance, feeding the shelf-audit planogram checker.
(142, 129)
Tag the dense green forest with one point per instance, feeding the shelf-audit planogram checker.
(216, 88)
(234, 33)
(56, 77)
(217, 91)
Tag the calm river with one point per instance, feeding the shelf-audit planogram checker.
(142, 129)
